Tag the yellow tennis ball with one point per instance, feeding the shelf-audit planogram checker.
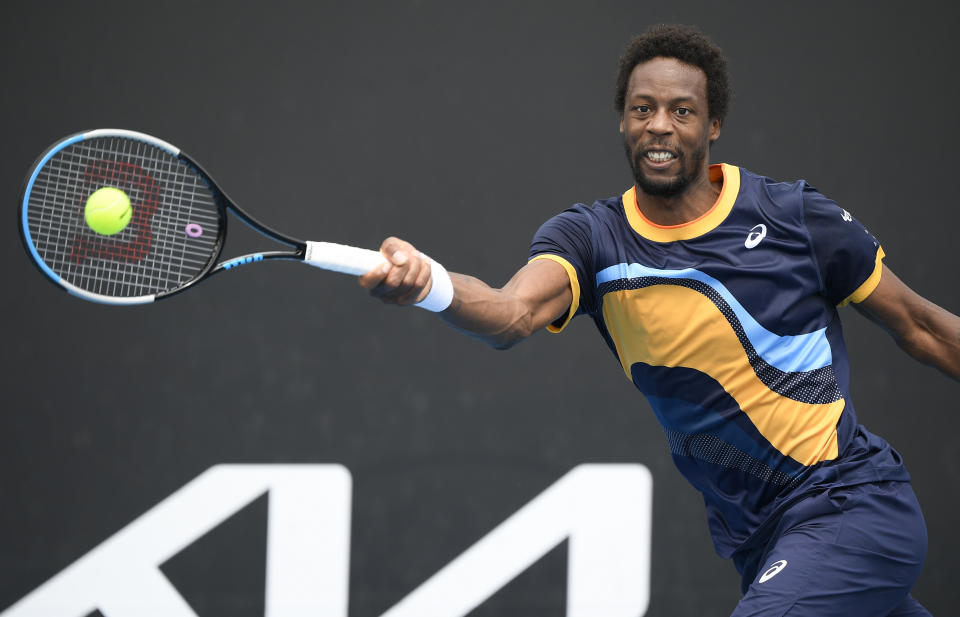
(108, 211)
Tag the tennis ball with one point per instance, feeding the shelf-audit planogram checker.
(108, 211)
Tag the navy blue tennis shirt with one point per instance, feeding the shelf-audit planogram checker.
(729, 326)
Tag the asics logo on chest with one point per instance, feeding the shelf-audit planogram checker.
(757, 233)
(773, 571)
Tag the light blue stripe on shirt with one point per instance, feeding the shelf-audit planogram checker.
(792, 353)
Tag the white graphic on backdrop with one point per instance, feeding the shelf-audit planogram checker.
(308, 547)
(604, 511)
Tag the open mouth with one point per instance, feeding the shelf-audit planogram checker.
(659, 156)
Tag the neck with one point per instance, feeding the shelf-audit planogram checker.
(689, 205)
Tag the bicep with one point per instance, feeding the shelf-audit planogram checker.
(892, 305)
(904, 313)
(535, 296)
(544, 288)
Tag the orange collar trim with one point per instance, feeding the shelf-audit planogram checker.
(698, 226)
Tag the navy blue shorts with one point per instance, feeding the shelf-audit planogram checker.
(847, 552)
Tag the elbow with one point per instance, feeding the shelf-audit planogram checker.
(504, 344)
(927, 348)
(916, 343)
(506, 340)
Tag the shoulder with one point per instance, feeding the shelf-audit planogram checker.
(598, 210)
(795, 199)
(585, 217)
(781, 193)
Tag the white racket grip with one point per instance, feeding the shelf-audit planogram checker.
(342, 258)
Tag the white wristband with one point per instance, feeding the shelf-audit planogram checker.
(441, 290)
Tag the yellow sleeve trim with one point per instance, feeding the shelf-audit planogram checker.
(560, 324)
(867, 287)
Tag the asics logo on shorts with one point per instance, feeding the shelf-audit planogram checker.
(773, 571)
(757, 233)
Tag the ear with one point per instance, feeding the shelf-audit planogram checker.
(715, 125)
(621, 124)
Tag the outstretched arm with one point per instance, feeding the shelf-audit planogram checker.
(921, 328)
(537, 295)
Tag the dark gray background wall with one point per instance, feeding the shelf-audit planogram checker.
(461, 127)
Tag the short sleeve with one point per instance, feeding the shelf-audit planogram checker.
(567, 240)
(848, 257)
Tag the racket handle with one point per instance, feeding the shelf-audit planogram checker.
(342, 258)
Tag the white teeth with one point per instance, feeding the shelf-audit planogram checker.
(659, 157)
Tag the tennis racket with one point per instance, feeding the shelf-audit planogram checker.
(176, 231)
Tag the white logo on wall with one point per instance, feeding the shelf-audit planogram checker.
(773, 571)
(604, 511)
(757, 233)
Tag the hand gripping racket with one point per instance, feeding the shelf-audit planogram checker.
(175, 233)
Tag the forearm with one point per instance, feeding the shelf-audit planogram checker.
(935, 339)
(535, 296)
(927, 332)
(494, 316)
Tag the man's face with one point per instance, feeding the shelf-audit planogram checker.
(666, 126)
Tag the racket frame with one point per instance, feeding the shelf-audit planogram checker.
(222, 201)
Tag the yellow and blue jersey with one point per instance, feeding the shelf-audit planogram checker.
(728, 324)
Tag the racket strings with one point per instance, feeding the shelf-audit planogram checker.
(173, 234)
(120, 174)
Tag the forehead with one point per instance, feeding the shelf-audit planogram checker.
(667, 78)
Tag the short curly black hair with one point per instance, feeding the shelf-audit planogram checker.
(688, 45)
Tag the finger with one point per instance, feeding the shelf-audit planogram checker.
(425, 281)
(417, 265)
(401, 278)
(412, 276)
(394, 288)
(386, 292)
(374, 277)
(402, 266)
(412, 286)
(397, 251)
(420, 287)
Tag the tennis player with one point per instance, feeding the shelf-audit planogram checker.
(717, 289)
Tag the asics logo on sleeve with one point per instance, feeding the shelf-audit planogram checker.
(773, 571)
(757, 233)
(846, 216)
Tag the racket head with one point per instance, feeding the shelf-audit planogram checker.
(175, 234)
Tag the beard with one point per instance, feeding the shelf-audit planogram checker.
(669, 187)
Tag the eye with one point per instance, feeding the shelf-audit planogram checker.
(683, 111)
(642, 108)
